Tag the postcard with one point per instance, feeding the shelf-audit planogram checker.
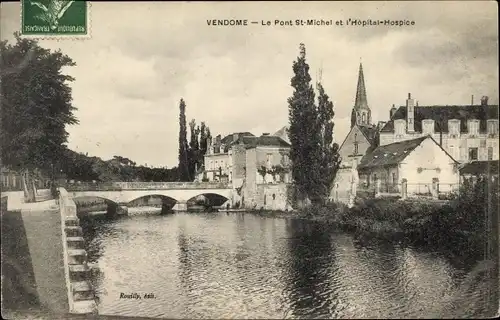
(245, 160)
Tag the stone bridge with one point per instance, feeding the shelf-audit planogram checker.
(122, 193)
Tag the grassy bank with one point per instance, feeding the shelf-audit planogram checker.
(466, 222)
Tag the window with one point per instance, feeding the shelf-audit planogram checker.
(451, 150)
(492, 127)
(428, 126)
(364, 118)
(394, 179)
(473, 127)
(454, 126)
(473, 154)
(399, 127)
(285, 159)
(490, 153)
(269, 159)
(355, 144)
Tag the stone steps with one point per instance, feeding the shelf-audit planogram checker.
(71, 221)
(84, 306)
(77, 256)
(82, 290)
(73, 231)
(75, 242)
(83, 295)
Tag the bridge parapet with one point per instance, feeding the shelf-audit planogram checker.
(119, 186)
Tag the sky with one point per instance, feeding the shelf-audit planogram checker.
(143, 57)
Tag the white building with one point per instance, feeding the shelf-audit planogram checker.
(421, 162)
(467, 132)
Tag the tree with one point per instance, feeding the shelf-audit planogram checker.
(203, 138)
(327, 156)
(183, 145)
(302, 126)
(36, 107)
(193, 153)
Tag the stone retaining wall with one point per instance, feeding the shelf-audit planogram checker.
(81, 295)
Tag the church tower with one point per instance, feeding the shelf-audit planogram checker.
(361, 113)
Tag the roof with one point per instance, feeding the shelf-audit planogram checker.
(283, 133)
(480, 167)
(462, 113)
(390, 154)
(263, 141)
(371, 133)
(361, 100)
(229, 138)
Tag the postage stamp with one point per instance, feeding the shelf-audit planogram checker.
(54, 18)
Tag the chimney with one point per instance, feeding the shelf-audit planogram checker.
(472, 100)
(484, 101)
(235, 137)
(218, 139)
(410, 114)
(393, 111)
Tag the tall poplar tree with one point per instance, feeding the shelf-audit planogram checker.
(194, 147)
(327, 160)
(302, 117)
(183, 145)
(203, 138)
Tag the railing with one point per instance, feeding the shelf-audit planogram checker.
(118, 186)
(404, 189)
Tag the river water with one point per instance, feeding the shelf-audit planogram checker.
(245, 266)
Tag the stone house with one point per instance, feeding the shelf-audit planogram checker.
(467, 132)
(422, 162)
(218, 160)
(266, 172)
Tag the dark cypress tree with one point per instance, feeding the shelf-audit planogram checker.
(328, 158)
(183, 145)
(303, 138)
(203, 139)
(193, 148)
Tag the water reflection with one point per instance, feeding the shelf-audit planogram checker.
(244, 266)
(312, 255)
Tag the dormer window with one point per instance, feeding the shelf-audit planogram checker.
(399, 127)
(492, 126)
(473, 127)
(454, 126)
(427, 126)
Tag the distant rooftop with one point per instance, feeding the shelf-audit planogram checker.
(445, 113)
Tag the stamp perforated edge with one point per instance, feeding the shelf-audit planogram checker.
(58, 37)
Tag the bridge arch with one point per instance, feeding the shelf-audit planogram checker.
(92, 203)
(166, 203)
(208, 199)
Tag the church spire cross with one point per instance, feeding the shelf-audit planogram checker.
(361, 100)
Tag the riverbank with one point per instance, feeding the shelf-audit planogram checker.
(464, 224)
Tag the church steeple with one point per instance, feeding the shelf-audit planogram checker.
(361, 101)
(361, 113)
